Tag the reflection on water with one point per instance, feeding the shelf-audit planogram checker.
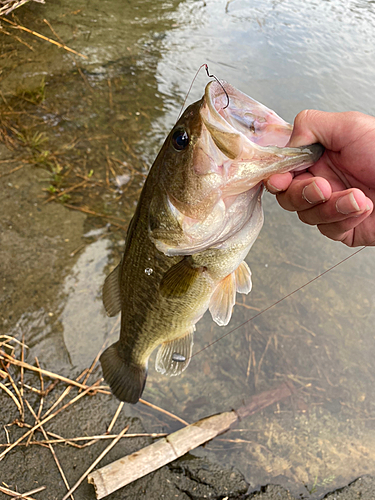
(83, 318)
(289, 56)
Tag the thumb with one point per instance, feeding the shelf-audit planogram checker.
(333, 130)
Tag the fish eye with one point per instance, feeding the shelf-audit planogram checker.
(180, 139)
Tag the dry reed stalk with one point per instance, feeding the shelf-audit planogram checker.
(68, 190)
(23, 360)
(41, 389)
(92, 439)
(2, 30)
(24, 496)
(91, 212)
(32, 32)
(63, 395)
(58, 438)
(22, 412)
(175, 417)
(100, 437)
(13, 339)
(37, 418)
(12, 171)
(50, 447)
(262, 357)
(42, 422)
(94, 464)
(16, 362)
(110, 93)
(10, 393)
(246, 306)
(126, 470)
(115, 416)
(107, 166)
(248, 369)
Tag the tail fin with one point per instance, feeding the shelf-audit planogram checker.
(126, 380)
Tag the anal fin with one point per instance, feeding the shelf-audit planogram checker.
(111, 293)
(174, 357)
(243, 278)
(223, 300)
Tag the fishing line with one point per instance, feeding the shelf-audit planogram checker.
(205, 66)
(280, 300)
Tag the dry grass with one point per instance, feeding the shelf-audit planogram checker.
(8, 6)
(13, 370)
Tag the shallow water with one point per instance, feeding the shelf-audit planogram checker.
(115, 108)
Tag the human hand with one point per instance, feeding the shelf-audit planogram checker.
(337, 194)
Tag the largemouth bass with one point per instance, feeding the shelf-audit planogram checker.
(198, 215)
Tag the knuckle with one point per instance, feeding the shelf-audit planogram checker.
(304, 217)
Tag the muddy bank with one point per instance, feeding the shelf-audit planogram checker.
(189, 478)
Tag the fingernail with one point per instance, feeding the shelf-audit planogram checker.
(312, 194)
(270, 187)
(347, 204)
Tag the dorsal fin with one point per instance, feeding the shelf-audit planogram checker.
(111, 292)
(223, 300)
(174, 357)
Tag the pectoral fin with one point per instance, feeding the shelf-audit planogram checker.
(179, 278)
(243, 278)
(223, 299)
(174, 357)
(111, 293)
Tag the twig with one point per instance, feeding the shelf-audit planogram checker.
(6, 357)
(58, 438)
(61, 46)
(122, 472)
(23, 360)
(50, 447)
(52, 415)
(110, 427)
(249, 362)
(163, 411)
(17, 38)
(12, 171)
(91, 439)
(9, 337)
(110, 93)
(107, 166)
(74, 440)
(41, 389)
(94, 464)
(24, 496)
(68, 190)
(10, 393)
(22, 412)
(91, 212)
(264, 353)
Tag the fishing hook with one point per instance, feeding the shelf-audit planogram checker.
(205, 66)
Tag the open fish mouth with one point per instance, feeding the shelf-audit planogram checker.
(232, 111)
